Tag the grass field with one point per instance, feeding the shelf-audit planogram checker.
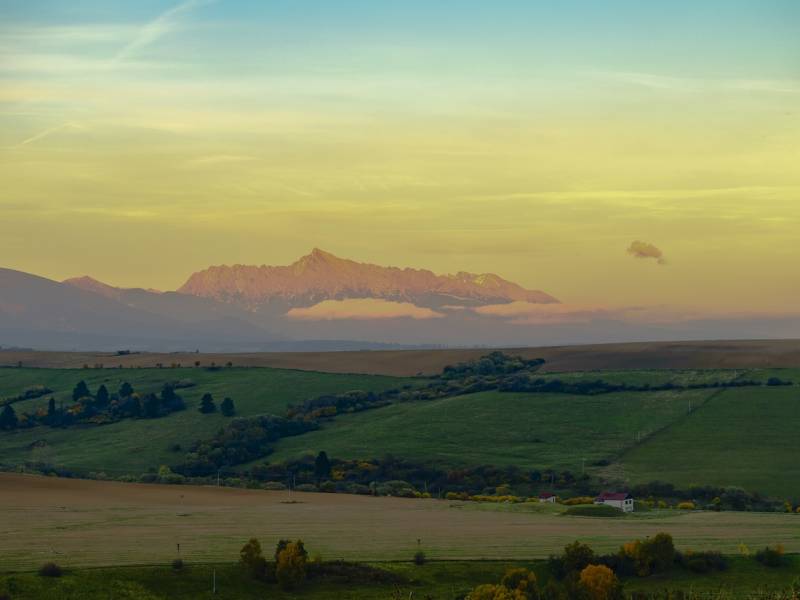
(527, 430)
(434, 580)
(745, 437)
(132, 446)
(94, 523)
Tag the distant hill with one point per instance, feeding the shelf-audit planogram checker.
(321, 276)
(39, 312)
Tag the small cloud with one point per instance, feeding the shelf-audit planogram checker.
(529, 313)
(361, 309)
(640, 249)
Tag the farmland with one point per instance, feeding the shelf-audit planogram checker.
(93, 523)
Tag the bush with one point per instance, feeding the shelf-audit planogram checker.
(290, 567)
(686, 506)
(771, 557)
(50, 569)
(274, 486)
(599, 582)
(419, 558)
(251, 558)
(177, 564)
(594, 510)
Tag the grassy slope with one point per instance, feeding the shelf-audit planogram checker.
(131, 446)
(528, 430)
(437, 580)
(742, 437)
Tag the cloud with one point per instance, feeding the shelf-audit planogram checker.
(361, 309)
(47, 132)
(640, 249)
(529, 313)
(165, 23)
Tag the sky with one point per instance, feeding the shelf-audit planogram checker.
(621, 153)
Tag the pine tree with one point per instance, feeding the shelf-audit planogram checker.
(227, 407)
(322, 466)
(8, 418)
(81, 390)
(125, 390)
(207, 404)
(102, 396)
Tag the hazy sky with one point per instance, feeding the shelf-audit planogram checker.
(141, 141)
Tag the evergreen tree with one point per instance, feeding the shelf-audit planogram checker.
(8, 418)
(102, 396)
(322, 466)
(51, 408)
(227, 407)
(81, 390)
(207, 404)
(125, 390)
(151, 406)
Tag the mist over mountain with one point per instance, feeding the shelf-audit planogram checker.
(325, 302)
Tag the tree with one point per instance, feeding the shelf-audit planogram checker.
(125, 390)
(322, 466)
(290, 569)
(207, 404)
(577, 556)
(490, 591)
(251, 558)
(522, 581)
(227, 408)
(8, 418)
(51, 408)
(151, 406)
(102, 396)
(81, 390)
(600, 582)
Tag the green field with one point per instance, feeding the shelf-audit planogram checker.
(434, 580)
(499, 428)
(746, 437)
(133, 446)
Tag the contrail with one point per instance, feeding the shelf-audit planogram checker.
(158, 27)
(47, 132)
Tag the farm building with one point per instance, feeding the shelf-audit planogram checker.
(547, 497)
(620, 500)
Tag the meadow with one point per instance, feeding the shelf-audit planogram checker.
(746, 437)
(438, 580)
(132, 446)
(529, 430)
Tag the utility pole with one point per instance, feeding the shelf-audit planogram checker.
(214, 583)
(218, 477)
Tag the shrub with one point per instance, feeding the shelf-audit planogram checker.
(251, 558)
(419, 558)
(578, 500)
(290, 568)
(599, 582)
(771, 557)
(177, 564)
(50, 569)
(490, 591)
(594, 510)
(275, 486)
(522, 581)
(686, 506)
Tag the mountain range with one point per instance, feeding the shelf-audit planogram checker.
(323, 302)
(239, 307)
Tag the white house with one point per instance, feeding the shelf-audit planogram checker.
(547, 497)
(621, 500)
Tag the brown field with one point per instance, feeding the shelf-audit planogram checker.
(640, 355)
(92, 523)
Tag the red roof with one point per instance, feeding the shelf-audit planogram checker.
(613, 496)
(546, 495)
